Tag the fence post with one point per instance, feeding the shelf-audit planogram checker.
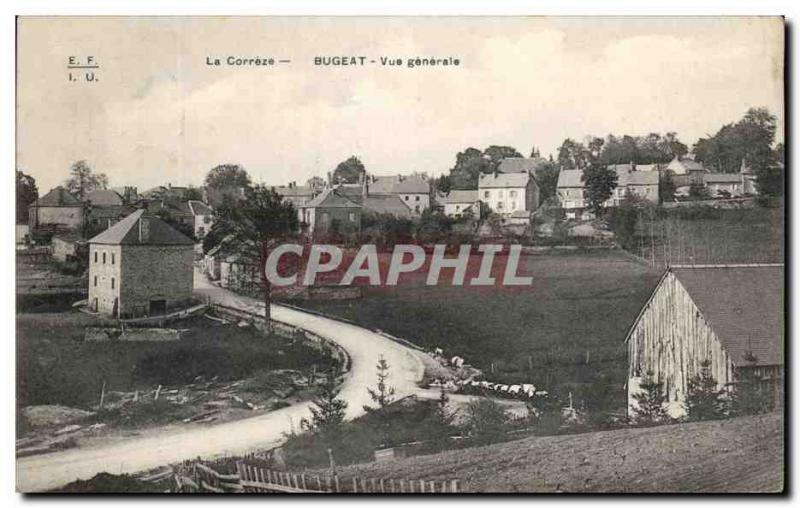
(303, 478)
(355, 485)
(372, 484)
(422, 486)
(454, 486)
(364, 485)
(402, 486)
(383, 490)
(336, 482)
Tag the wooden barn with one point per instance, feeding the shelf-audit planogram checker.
(731, 315)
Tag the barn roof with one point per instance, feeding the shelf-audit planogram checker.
(458, 196)
(126, 232)
(399, 184)
(521, 165)
(503, 180)
(744, 306)
(104, 197)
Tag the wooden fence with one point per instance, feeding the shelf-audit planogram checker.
(254, 479)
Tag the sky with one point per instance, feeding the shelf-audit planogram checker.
(158, 114)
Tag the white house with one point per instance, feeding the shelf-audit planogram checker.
(203, 217)
(460, 202)
(570, 189)
(414, 190)
(506, 193)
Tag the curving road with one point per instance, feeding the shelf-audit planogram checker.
(42, 472)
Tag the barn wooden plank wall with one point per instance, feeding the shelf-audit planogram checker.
(671, 338)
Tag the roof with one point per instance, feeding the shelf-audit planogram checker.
(744, 306)
(390, 204)
(648, 167)
(103, 197)
(503, 180)
(111, 212)
(199, 208)
(520, 165)
(689, 164)
(331, 198)
(399, 184)
(722, 178)
(637, 178)
(570, 178)
(294, 190)
(458, 196)
(126, 232)
(58, 197)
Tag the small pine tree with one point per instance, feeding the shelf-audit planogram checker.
(383, 394)
(329, 410)
(704, 400)
(650, 402)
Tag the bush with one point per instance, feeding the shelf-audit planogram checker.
(485, 420)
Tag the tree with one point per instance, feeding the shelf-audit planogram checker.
(496, 153)
(666, 187)
(349, 171)
(485, 419)
(443, 184)
(257, 223)
(27, 194)
(193, 193)
(750, 138)
(651, 402)
(383, 394)
(83, 180)
(704, 399)
(699, 191)
(471, 163)
(226, 176)
(547, 178)
(328, 412)
(600, 181)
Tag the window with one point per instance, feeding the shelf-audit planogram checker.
(352, 217)
(512, 193)
(112, 282)
(406, 198)
(416, 198)
(486, 194)
(95, 281)
(513, 205)
(499, 205)
(325, 216)
(416, 208)
(104, 258)
(458, 208)
(113, 257)
(206, 219)
(95, 258)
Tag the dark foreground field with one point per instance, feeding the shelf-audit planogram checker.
(565, 332)
(738, 455)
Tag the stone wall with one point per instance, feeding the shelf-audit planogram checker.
(155, 272)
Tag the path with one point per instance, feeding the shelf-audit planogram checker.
(42, 472)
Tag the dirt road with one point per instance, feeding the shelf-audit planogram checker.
(42, 472)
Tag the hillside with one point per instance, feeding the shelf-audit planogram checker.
(738, 455)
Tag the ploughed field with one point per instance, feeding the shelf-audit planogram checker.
(563, 333)
(737, 455)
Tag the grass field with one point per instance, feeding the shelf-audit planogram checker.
(56, 366)
(708, 236)
(565, 332)
(737, 455)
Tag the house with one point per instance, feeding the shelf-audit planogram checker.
(724, 184)
(570, 192)
(203, 217)
(68, 246)
(729, 315)
(297, 195)
(167, 192)
(375, 204)
(459, 203)
(57, 208)
(331, 212)
(686, 166)
(506, 193)
(140, 266)
(104, 197)
(521, 165)
(748, 179)
(413, 190)
(570, 189)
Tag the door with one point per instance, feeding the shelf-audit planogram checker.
(158, 307)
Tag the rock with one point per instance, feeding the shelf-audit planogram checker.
(53, 416)
(69, 429)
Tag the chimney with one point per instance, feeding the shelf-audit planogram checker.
(330, 179)
(364, 185)
(144, 229)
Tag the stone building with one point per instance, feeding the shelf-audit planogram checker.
(140, 266)
(57, 208)
(506, 193)
(331, 212)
